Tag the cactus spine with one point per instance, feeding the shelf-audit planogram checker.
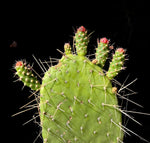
(77, 100)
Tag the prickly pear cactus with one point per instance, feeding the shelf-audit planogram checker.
(77, 101)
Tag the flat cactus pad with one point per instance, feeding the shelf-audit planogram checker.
(72, 103)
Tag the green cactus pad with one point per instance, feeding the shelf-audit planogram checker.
(26, 76)
(72, 104)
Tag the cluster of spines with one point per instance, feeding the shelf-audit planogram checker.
(25, 74)
(81, 41)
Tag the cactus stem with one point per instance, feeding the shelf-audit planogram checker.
(117, 63)
(25, 75)
(81, 39)
(102, 51)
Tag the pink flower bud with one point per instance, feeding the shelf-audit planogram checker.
(81, 29)
(121, 50)
(19, 64)
(104, 40)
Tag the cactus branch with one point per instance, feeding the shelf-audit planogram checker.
(26, 76)
(117, 63)
(81, 41)
(102, 51)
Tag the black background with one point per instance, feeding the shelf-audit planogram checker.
(40, 30)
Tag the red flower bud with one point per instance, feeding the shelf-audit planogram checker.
(104, 40)
(81, 29)
(121, 50)
(19, 64)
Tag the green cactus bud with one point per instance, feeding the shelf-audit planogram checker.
(26, 76)
(67, 48)
(81, 41)
(102, 51)
(117, 63)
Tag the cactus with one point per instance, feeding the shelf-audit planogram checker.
(26, 76)
(102, 52)
(117, 63)
(77, 100)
